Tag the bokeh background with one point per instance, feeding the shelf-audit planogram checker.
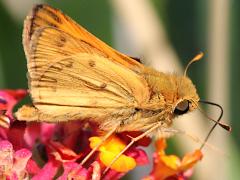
(165, 34)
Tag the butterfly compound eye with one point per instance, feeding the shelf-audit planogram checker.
(182, 107)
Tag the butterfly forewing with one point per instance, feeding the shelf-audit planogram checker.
(46, 16)
(70, 70)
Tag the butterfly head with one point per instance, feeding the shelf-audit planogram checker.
(178, 93)
(188, 97)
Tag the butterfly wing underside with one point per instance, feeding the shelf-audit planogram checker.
(45, 16)
(73, 75)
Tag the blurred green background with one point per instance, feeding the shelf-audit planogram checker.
(187, 24)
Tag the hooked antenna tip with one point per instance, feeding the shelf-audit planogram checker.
(196, 58)
(226, 127)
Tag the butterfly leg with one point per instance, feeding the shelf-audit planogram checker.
(197, 140)
(155, 126)
(96, 148)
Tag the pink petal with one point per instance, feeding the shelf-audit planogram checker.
(37, 130)
(73, 170)
(3, 133)
(5, 146)
(13, 177)
(71, 133)
(47, 131)
(21, 158)
(32, 167)
(17, 94)
(111, 174)
(67, 168)
(128, 135)
(187, 174)
(61, 152)
(32, 133)
(16, 135)
(139, 155)
(6, 156)
(96, 171)
(3, 104)
(48, 171)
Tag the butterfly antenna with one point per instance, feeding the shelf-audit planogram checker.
(196, 58)
(217, 122)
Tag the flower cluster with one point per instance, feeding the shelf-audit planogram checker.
(55, 151)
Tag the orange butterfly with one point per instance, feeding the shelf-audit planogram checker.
(75, 76)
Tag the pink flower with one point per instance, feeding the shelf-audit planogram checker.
(13, 163)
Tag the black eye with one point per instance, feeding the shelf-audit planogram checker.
(182, 107)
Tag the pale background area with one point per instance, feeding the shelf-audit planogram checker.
(143, 28)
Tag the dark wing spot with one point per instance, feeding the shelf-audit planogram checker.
(60, 41)
(52, 15)
(45, 78)
(59, 66)
(69, 64)
(92, 63)
(103, 85)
